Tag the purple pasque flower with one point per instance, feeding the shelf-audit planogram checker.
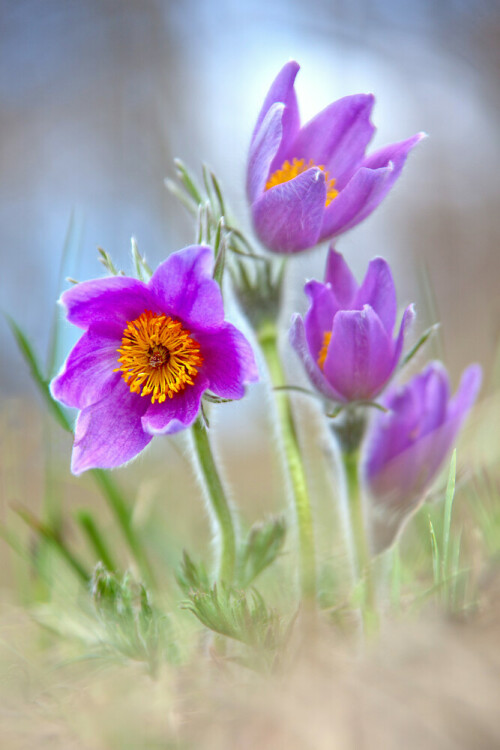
(406, 446)
(345, 340)
(148, 353)
(306, 184)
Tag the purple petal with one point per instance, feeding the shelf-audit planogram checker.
(339, 276)
(175, 413)
(405, 448)
(182, 286)
(434, 399)
(263, 149)
(367, 188)
(228, 361)
(395, 153)
(110, 302)
(88, 375)
(109, 433)
(407, 320)
(282, 91)
(288, 216)
(319, 318)
(361, 195)
(299, 343)
(337, 137)
(359, 359)
(467, 392)
(378, 291)
(390, 433)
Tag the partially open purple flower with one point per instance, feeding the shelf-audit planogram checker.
(346, 340)
(148, 353)
(406, 447)
(306, 184)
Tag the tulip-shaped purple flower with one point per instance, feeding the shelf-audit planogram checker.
(346, 339)
(307, 184)
(148, 353)
(406, 446)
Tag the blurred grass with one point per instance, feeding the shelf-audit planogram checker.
(137, 671)
(63, 654)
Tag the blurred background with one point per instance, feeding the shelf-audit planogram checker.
(99, 96)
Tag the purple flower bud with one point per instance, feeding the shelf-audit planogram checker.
(406, 447)
(307, 184)
(148, 354)
(346, 339)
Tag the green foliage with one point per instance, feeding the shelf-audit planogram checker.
(39, 378)
(46, 533)
(142, 268)
(107, 262)
(134, 627)
(264, 543)
(192, 577)
(420, 343)
(259, 290)
(240, 615)
(209, 208)
(107, 485)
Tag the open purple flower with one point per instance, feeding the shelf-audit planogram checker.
(346, 339)
(406, 447)
(306, 184)
(148, 353)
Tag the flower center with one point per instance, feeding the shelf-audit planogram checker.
(298, 166)
(158, 357)
(324, 349)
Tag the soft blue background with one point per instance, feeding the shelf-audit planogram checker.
(98, 96)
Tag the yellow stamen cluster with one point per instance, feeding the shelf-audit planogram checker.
(324, 349)
(298, 166)
(158, 356)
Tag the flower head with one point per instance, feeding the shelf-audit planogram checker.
(346, 340)
(406, 446)
(306, 184)
(148, 353)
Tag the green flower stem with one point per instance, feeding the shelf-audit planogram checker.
(268, 339)
(218, 502)
(362, 563)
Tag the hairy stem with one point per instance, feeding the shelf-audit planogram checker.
(218, 502)
(362, 562)
(268, 339)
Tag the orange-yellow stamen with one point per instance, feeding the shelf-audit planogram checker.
(324, 349)
(298, 166)
(158, 356)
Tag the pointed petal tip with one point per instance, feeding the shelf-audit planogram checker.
(472, 378)
(293, 65)
(78, 463)
(411, 313)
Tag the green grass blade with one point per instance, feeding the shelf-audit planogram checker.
(218, 193)
(448, 506)
(96, 540)
(36, 373)
(455, 569)
(420, 343)
(46, 533)
(123, 515)
(72, 242)
(435, 555)
(188, 182)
